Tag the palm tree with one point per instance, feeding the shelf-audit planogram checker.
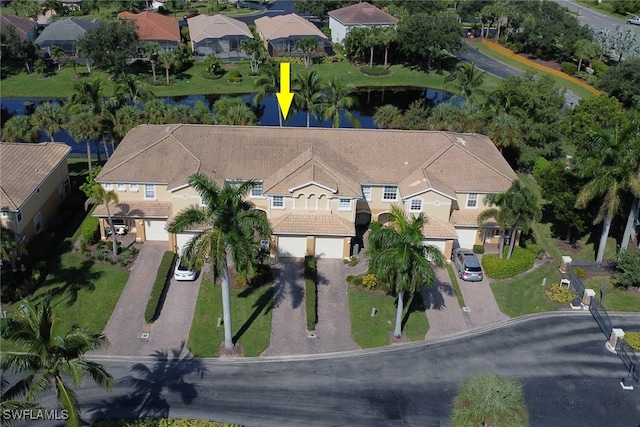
(127, 117)
(268, 83)
(20, 129)
(400, 258)
(233, 111)
(612, 167)
(307, 46)
(505, 131)
(85, 126)
(233, 229)
(155, 112)
(255, 49)
(387, 117)
(9, 246)
(57, 53)
(486, 399)
(151, 49)
(371, 39)
(307, 92)
(386, 36)
(49, 357)
(49, 116)
(167, 59)
(100, 196)
(466, 79)
(338, 97)
(584, 49)
(131, 90)
(89, 95)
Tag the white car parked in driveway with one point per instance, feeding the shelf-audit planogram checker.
(634, 21)
(182, 272)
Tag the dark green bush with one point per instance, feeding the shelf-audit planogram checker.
(90, 230)
(234, 76)
(599, 68)
(311, 291)
(478, 249)
(374, 71)
(150, 314)
(521, 261)
(569, 68)
(580, 272)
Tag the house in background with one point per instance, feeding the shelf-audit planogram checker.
(280, 34)
(157, 28)
(218, 35)
(34, 179)
(26, 29)
(65, 33)
(320, 188)
(357, 15)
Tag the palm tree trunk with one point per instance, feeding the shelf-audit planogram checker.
(606, 226)
(580, 63)
(113, 233)
(397, 332)
(371, 57)
(501, 244)
(166, 72)
(512, 243)
(279, 114)
(89, 154)
(386, 53)
(226, 305)
(631, 220)
(308, 118)
(153, 70)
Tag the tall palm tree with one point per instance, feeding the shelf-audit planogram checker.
(49, 357)
(233, 111)
(467, 79)
(85, 126)
(126, 118)
(9, 246)
(129, 89)
(168, 60)
(255, 49)
(49, 116)
(233, 229)
(100, 196)
(386, 36)
(486, 399)
(338, 97)
(155, 112)
(57, 53)
(20, 129)
(307, 46)
(268, 83)
(89, 95)
(611, 165)
(151, 49)
(387, 117)
(371, 39)
(307, 92)
(505, 130)
(400, 258)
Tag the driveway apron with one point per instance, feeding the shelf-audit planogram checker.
(125, 326)
(289, 318)
(443, 311)
(334, 322)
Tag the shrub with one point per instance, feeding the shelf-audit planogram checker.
(241, 280)
(369, 281)
(352, 261)
(521, 261)
(311, 291)
(599, 68)
(39, 272)
(290, 59)
(478, 249)
(234, 76)
(559, 294)
(90, 230)
(374, 71)
(150, 314)
(633, 339)
(569, 68)
(580, 272)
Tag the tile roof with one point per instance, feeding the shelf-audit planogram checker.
(22, 26)
(24, 167)
(469, 217)
(362, 13)
(286, 157)
(65, 30)
(203, 27)
(435, 228)
(141, 209)
(154, 26)
(313, 224)
(271, 28)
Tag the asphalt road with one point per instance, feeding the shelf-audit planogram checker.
(590, 16)
(569, 379)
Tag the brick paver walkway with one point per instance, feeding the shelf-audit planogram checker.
(443, 311)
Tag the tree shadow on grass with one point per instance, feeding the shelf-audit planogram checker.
(263, 305)
(150, 386)
(69, 281)
(416, 304)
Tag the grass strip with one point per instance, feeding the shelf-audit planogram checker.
(456, 285)
(311, 291)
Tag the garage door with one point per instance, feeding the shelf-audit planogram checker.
(154, 230)
(292, 247)
(182, 240)
(329, 247)
(437, 243)
(467, 237)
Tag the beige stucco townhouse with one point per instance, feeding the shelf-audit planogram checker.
(319, 187)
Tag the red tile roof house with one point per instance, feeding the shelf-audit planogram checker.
(318, 187)
(357, 15)
(280, 34)
(26, 29)
(154, 27)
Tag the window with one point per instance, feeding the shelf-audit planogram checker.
(5, 214)
(415, 205)
(108, 187)
(122, 187)
(133, 188)
(366, 192)
(345, 205)
(472, 200)
(256, 191)
(277, 202)
(149, 191)
(37, 222)
(390, 192)
(19, 216)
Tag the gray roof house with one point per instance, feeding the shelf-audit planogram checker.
(218, 35)
(26, 29)
(65, 33)
(357, 15)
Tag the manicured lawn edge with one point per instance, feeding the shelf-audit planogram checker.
(311, 292)
(456, 285)
(151, 312)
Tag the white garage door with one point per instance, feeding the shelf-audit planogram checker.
(467, 237)
(292, 247)
(154, 230)
(182, 240)
(437, 243)
(329, 247)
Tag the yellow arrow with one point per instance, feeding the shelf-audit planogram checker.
(285, 96)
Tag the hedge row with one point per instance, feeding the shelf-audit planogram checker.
(163, 422)
(521, 260)
(374, 71)
(311, 291)
(150, 314)
(90, 230)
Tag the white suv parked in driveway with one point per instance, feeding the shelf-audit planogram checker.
(467, 265)
(634, 21)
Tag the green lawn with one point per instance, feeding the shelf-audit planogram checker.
(615, 299)
(525, 294)
(250, 320)
(369, 331)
